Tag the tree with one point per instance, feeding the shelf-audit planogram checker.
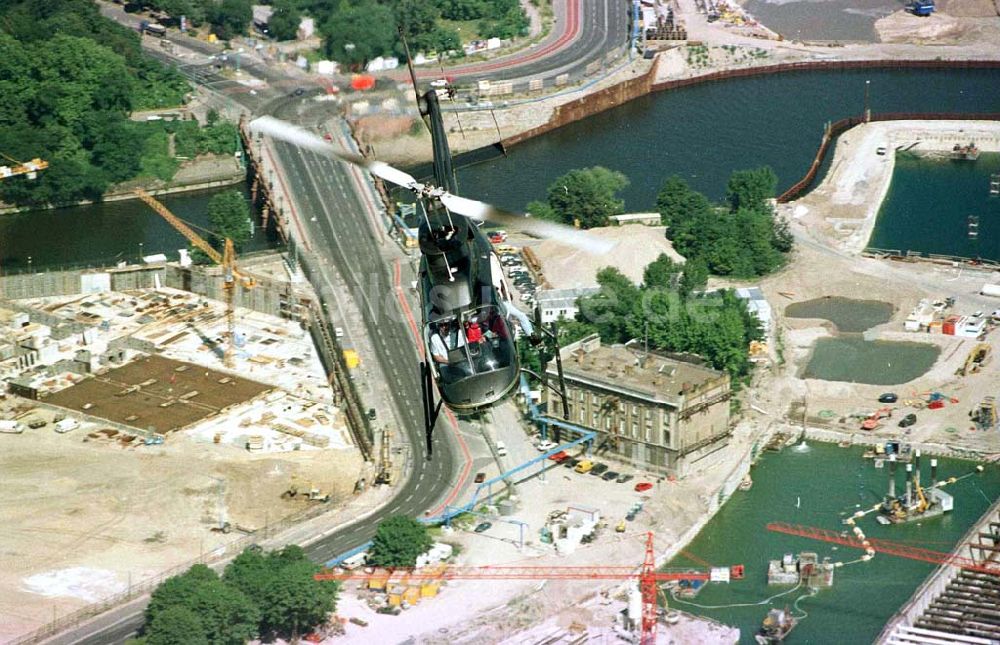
(677, 203)
(661, 272)
(284, 22)
(176, 625)
(609, 311)
(225, 614)
(282, 585)
(230, 17)
(587, 196)
(357, 34)
(694, 276)
(230, 217)
(398, 541)
(751, 188)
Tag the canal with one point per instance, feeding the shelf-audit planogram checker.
(818, 485)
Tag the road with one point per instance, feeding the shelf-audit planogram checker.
(585, 31)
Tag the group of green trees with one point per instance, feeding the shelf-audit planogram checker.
(743, 238)
(669, 311)
(68, 80)
(585, 197)
(356, 31)
(259, 595)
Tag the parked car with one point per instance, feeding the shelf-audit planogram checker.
(501, 449)
(571, 462)
(624, 477)
(480, 478)
(888, 397)
(630, 516)
(642, 487)
(610, 475)
(559, 456)
(908, 420)
(599, 469)
(36, 423)
(483, 526)
(545, 446)
(585, 466)
(371, 414)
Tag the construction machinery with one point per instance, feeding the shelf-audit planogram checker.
(985, 415)
(921, 8)
(384, 475)
(874, 420)
(647, 576)
(977, 358)
(227, 260)
(29, 169)
(308, 493)
(889, 548)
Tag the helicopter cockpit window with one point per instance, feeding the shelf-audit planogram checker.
(478, 341)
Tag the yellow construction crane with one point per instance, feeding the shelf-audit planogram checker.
(227, 260)
(29, 168)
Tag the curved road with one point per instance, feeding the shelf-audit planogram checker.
(587, 31)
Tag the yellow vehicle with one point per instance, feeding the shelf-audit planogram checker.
(584, 466)
(620, 528)
(506, 248)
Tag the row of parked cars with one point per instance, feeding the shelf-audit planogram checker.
(518, 274)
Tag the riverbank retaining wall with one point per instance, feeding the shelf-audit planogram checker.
(599, 101)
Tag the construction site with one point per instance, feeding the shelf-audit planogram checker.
(167, 425)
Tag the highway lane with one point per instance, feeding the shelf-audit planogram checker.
(342, 235)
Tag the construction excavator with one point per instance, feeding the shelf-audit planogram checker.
(875, 419)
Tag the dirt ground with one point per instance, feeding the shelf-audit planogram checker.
(180, 394)
(84, 518)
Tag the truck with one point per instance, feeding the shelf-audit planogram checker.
(9, 426)
(990, 290)
(67, 425)
(922, 8)
(152, 28)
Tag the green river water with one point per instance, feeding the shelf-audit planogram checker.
(817, 487)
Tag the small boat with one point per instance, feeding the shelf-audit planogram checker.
(746, 483)
(965, 153)
(776, 626)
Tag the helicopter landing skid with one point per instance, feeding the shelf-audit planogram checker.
(431, 409)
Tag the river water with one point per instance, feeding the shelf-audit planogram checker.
(104, 234)
(705, 132)
(702, 133)
(816, 487)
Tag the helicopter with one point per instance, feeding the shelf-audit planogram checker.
(467, 310)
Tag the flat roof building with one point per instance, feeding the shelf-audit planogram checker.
(650, 410)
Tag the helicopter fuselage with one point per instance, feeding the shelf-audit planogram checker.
(467, 332)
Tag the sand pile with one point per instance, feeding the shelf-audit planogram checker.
(635, 246)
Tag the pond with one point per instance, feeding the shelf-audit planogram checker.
(817, 485)
(853, 359)
(847, 314)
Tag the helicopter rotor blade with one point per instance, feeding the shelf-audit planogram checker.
(471, 208)
(483, 212)
(295, 135)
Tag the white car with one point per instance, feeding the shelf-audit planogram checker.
(545, 446)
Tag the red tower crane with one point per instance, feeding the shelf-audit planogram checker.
(647, 576)
(887, 547)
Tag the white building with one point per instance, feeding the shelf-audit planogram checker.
(758, 305)
(561, 303)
